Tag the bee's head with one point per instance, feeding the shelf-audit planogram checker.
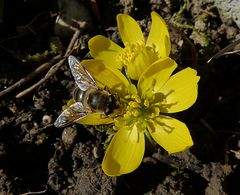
(110, 104)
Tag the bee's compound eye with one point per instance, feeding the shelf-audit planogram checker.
(111, 99)
(110, 105)
(107, 111)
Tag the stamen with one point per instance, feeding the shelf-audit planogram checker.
(130, 52)
(136, 98)
(155, 112)
(134, 104)
(146, 103)
(136, 113)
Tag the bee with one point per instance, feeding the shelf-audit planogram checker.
(88, 97)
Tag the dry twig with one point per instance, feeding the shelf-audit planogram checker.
(225, 50)
(30, 193)
(30, 76)
(40, 69)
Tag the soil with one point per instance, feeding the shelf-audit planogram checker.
(37, 158)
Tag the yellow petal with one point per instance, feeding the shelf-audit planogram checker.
(125, 152)
(159, 36)
(105, 50)
(108, 77)
(171, 134)
(141, 62)
(153, 78)
(129, 29)
(180, 91)
(96, 119)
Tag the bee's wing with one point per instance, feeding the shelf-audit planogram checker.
(81, 76)
(73, 113)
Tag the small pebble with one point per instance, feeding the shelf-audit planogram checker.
(46, 119)
(68, 135)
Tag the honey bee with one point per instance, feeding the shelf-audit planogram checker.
(88, 97)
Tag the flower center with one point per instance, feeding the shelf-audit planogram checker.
(138, 112)
(130, 52)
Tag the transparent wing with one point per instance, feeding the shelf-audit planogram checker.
(81, 76)
(73, 113)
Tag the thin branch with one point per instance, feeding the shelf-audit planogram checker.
(224, 50)
(232, 52)
(52, 71)
(30, 76)
(72, 43)
(54, 68)
(39, 192)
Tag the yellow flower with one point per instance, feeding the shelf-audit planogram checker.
(143, 108)
(137, 53)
